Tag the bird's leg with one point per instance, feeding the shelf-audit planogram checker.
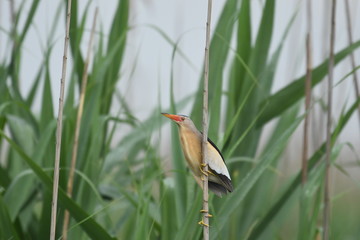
(210, 172)
(205, 211)
(208, 216)
(207, 172)
(204, 173)
(202, 223)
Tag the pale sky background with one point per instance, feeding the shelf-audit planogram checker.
(185, 20)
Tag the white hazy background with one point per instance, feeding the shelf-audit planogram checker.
(148, 53)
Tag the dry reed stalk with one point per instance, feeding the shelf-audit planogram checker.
(59, 129)
(78, 125)
(205, 216)
(352, 57)
(307, 94)
(326, 215)
(12, 12)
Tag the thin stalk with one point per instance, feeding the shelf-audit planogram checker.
(13, 21)
(326, 220)
(318, 118)
(1, 25)
(352, 57)
(59, 129)
(12, 12)
(307, 94)
(78, 125)
(205, 217)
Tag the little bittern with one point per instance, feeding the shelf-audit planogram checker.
(191, 142)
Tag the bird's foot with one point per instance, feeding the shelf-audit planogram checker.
(202, 223)
(206, 211)
(207, 172)
(204, 172)
(202, 177)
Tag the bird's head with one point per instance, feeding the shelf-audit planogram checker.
(181, 120)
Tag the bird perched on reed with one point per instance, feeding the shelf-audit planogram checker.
(191, 142)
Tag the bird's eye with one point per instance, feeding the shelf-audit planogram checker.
(182, 118)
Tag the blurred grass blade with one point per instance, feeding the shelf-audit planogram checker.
(243, 51)
(76, 33)
(257, 61)
(168, 202)
(218, 52)
(254, 202)
(177, 159)
(34, 87)
(23, 32)
(293, 92)
(4, 178)
(28, 21)
(277, 206)
(117, 36)
(311, 199)
(187, 230)
(47, 110)
(7, 230)
(235, 199)
(92, 228)
(173, 44)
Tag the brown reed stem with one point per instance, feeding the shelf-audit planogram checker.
(205, 218)
(307, 94)
(78, 125)
(59, 129)
(326, 215)
(352, 57)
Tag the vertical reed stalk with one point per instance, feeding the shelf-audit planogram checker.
(78, 122)
(59, 129)
(326, 220)
(307, 93)
(352, 57)
(205, 218)
(13, 22)
(12, 12)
